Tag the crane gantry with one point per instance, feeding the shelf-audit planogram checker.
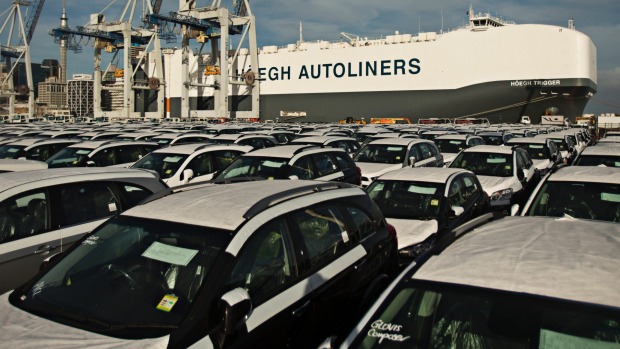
(18, 33)
(141, 73)
(214, 23)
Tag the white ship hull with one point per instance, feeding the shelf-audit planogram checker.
(499, 73)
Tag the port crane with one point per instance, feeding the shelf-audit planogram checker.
(18, 33)
(138, 79)
(215, 23)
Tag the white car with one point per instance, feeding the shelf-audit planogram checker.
(507, 174)
(599, 156)
(389, 154)
(451, 144)
(543, 152)
(190, 163)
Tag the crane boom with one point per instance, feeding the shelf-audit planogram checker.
(33, 18)
(156, 5)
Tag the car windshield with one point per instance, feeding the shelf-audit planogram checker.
(536, 151)
(407, 199)
(381, 154)
(598, 160)
(485, 164)
(161, 142)
(165, 164)
(131, 278)
(589, 200)
(561, 144)
(69, 157)
(492, 140)
(450, 145)
(9, 151)
(432, 315)
(255, 166)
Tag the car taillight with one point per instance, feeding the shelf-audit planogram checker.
(392, 232)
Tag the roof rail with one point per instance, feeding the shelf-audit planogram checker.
(289, 194)
(306, 147)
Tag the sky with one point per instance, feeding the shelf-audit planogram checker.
(277, 23)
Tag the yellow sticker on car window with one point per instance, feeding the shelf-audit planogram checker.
(508, 167)
(168, 171)
(434, 202)
(167, 302)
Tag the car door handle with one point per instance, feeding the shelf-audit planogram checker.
(302, 309)
(44, 249)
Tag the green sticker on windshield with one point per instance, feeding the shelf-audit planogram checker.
(168, 171)
(434, 202)
(508, 167)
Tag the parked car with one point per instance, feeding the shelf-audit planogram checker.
(389, 154)
(256, 141)
(44, 212)
(543, 152)
(293, 162)
(425, 203)
(599, 156)
(348, 144)
(518, 282)
(166, 140)
(507, 174)
(451, 144)
(101, 153)
(220, 266)
(39, 149)
(190, 163)
(578, 192)
(14, 165)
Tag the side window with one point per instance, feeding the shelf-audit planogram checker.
(132, 195)
(323, 232)
(37, 153)
(426, 151)
(354, 147)
(415, 152)
(340, 144)
(324, 164)
(364, 226)
(302, 168)
(434, 150)
(470, 187)
(202, 164)
(455, 194)
(342, 161)
(266, 263)
(221, 159)
(24, 215)
(85, 202)
(269, 143)
(104, 157)
(128, 153)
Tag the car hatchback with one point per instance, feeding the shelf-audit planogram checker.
(247, 265)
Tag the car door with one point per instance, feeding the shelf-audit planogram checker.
(26, 238)
(267, 267)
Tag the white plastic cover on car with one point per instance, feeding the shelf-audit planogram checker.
(411, 231)
(19, 329)
(492, 184)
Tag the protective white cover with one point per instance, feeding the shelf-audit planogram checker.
(411, 231)
(492, 184)
(22, 330)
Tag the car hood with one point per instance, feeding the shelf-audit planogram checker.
(412, 231)
(448, 157)
(492, 184)
(370, 169)
(20, 329)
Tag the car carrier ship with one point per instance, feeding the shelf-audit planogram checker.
(490, 68)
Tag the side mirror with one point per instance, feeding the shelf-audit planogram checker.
(90, 163)
(293, 177)
(456, 211)
(236, 307)
(188, 174)
(328, 343)
(412, 161)
(514, 209)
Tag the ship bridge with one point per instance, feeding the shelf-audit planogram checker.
(484, 21)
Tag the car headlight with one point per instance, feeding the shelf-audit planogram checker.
(504, 194)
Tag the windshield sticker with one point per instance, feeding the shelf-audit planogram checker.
(169, 254)
(508, 167)
(544, 198)
(496, 161)
(398, 158)
(345, 236)
(536, 146)
(172, 158)
(610, 197)
(272, 164)
(394, 148)
(421, 190)
(552, 340)
(616, 164)
(455, 142)
(92, 240)
(379, 329)
(112, 207)
(434, 202)
(167, 302)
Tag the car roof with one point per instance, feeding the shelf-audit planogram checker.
(283, 151)
(226, 204)
(194, 147)
(13, 179)
(489, 149)
(456, 136)
(587, 174)
(535, 255)
(527, 140)
(21, 165)
(400, 141)
(320, 139)
(613, 151)
(422, 174)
